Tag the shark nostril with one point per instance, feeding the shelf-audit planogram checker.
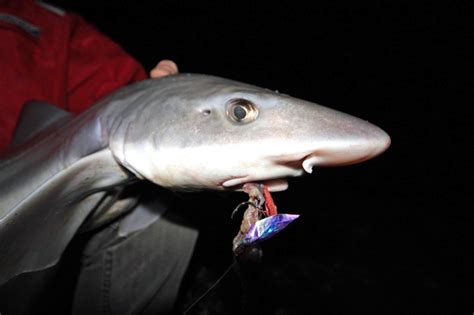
(206, 112)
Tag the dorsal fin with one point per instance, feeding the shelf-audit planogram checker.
(35, 117)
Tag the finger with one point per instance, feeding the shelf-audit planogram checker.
(164, 68)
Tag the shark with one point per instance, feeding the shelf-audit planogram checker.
(185, 132)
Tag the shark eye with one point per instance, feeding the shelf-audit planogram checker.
(241, 110)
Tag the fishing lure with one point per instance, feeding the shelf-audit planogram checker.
(260, 220)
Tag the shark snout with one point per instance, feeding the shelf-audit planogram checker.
(348, 150)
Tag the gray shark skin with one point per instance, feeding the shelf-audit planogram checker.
(185, 132)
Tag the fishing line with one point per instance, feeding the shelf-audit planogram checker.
(211, 287)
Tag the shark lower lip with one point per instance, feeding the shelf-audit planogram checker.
(274, 185)
(235, 181)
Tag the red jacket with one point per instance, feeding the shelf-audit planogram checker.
(53, 56)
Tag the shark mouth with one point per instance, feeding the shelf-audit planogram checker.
(296, 166)
(276, 184)
(273, 185)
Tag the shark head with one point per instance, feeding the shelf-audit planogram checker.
(191, 132)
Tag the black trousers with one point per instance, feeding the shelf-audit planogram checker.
(136, 273)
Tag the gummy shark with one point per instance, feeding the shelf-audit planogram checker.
(185, 132)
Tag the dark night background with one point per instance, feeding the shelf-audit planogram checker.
(391, 234)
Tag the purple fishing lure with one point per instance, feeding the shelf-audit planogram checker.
(268, 227)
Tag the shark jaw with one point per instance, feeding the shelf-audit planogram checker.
(297, 164)
(229, 168)
(274, 185)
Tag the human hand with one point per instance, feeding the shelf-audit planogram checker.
(163, 69)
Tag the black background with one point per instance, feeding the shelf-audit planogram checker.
(390, 234)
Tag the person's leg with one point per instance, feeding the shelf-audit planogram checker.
(138, 273)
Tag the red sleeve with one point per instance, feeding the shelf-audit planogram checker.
(96, 66)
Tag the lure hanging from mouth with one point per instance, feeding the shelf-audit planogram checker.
(261, 220)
